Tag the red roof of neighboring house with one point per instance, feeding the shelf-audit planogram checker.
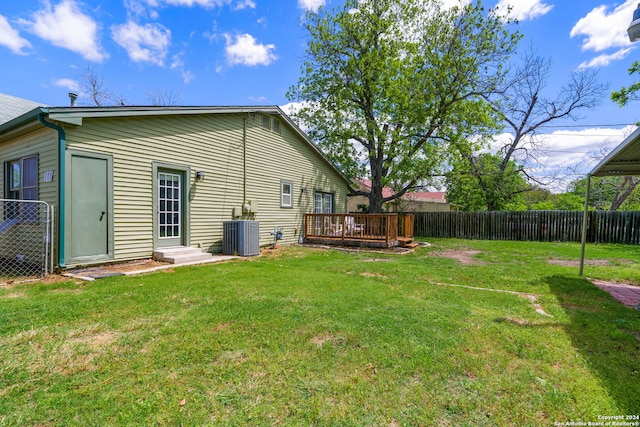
(366, 185)
(438, 196)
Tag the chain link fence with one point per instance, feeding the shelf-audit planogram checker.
(25, 239)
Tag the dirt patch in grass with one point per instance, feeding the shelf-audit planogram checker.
(232, 357)
(13, 295)
(327, 338)
(576, 262)
(368, 274)
(97, 340)
(464, 256)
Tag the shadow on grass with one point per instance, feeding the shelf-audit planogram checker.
(605, 333)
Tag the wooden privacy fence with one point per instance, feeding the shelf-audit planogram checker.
(544, 226)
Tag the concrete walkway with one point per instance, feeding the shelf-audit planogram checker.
(100, 272)
(627, 294)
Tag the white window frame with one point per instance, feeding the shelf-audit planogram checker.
(266, 121)
(275, 125)
(26, 187)
(271, 123)
(286, 198)
(322, 202)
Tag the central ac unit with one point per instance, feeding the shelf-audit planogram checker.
(241, 237)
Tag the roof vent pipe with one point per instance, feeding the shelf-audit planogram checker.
(73, 97)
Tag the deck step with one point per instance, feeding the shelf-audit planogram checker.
(411, 245)
(180, 255)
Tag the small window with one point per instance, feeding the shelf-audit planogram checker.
(286, 194)
(266, 121)
(270, 123)
(21, 183)
(21, 177)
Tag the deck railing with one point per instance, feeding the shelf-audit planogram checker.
(365, 227)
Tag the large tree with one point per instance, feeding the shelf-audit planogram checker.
(480, 182)
(387, 85)
(610, 193)
(525, 107)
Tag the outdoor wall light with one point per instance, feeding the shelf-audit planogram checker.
(634, 27)
(303, 190)
(200, 176)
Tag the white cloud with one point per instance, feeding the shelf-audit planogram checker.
(603, 28)
(70, 84)
(147, 8)
(67, 27)
(524, 10)
(10, 38)
(604, 60)
(177, 63)
(143, 43)
(243, 49)
(311, 5)
(187, 76)
(245, 4)
(207, 4)
(570, 154)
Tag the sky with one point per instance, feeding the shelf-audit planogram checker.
(249, 52)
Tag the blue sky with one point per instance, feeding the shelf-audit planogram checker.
(246, 52)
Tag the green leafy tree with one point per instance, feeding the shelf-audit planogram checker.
(540, 199)
(538, 196)
(611, 193)
(627, 94)
(388, 85)
(478, 183)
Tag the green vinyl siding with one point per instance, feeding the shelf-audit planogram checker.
(41, 143)
(212, 143)
(275, 157)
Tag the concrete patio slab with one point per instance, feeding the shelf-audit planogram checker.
(628, 295)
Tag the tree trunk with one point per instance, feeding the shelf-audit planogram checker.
(628, 185)
(375, 198)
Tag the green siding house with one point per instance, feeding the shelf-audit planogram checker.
(127, 181)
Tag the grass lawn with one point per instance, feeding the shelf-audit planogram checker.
(309, 336)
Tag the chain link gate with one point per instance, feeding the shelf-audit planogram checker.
(26, 230)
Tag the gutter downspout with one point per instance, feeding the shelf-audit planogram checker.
(62, 142)
(244, 160)
(585, 218)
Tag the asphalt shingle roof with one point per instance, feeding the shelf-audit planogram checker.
(12, 107)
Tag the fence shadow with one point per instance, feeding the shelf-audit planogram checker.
(607, 335)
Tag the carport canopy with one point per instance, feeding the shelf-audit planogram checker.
(624, 160)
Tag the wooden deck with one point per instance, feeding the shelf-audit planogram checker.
(363, 230)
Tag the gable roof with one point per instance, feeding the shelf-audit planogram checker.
(12, 107)
(76, 115)
(623, 160)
